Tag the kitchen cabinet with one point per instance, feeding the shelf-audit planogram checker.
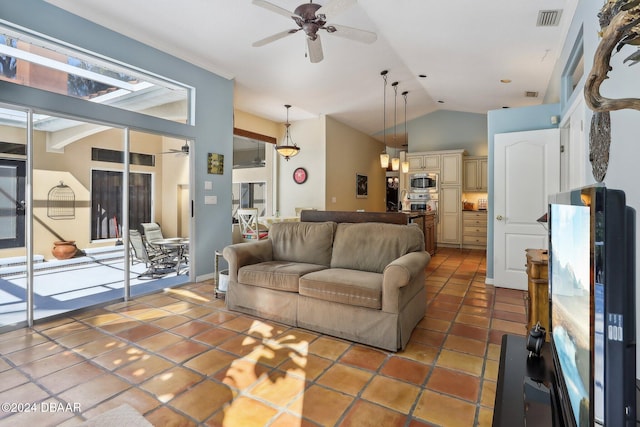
(449, 215)
(448, 165)
(475, 174)
(426, 221)
(424, 162)
(451, 170)
(474, 229)
(430, 234)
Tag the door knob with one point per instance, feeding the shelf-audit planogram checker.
(499, 217)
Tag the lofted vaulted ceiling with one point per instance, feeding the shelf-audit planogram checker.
(464, 48)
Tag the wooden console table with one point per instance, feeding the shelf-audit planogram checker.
(538, 288)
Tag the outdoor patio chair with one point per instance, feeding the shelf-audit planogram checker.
(152, 232)
(157, 265)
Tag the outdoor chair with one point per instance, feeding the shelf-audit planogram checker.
(157, 265)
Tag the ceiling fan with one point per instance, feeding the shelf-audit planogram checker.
(312, 17)
(183, 150)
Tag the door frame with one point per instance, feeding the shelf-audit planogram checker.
(526, 229)
(21, 168)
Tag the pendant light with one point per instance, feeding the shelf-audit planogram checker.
(395, 161)
(405, 164)
(384, 157)
(290, 149)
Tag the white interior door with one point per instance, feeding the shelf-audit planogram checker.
(526, 172)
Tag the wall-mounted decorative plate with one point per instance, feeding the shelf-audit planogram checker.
(300, 175)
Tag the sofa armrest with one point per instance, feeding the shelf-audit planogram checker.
(241, 254)
(400, 273)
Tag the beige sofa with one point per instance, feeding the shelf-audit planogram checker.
(363, 282)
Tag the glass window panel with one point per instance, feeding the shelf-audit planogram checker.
(8, 200)
(248, 153)
(36, 62)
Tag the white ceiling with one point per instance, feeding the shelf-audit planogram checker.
(465, 47)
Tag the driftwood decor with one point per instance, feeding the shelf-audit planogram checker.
(620, 26)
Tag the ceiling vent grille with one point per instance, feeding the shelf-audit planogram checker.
(531, 94)
(549, 18)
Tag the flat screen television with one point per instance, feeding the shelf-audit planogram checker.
(592, 306)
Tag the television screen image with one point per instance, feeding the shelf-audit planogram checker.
(592, 307)
(570, 240)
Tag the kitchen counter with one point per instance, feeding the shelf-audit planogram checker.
(419, 212)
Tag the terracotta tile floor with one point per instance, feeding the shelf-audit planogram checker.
(181, 359)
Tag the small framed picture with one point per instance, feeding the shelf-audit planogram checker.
(362, 182)
(215, 164)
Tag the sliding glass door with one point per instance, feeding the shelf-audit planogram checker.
(13, 167)
(83, 257)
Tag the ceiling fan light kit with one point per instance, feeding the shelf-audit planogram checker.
(289, 149)
(312, 17)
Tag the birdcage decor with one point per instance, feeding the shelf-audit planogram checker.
(61, 202)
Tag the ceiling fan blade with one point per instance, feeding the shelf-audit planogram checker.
(335, 7)
(273, 38)
(362, 36)
(315, 50)
(183, 150)
(273, 8)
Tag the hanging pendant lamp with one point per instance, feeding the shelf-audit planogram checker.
(384, 157)
(405, 164)
(395, 161)
(290, 149)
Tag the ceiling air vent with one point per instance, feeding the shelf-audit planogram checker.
(531, 94)
(549, 18)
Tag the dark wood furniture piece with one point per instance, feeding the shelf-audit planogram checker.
(424, 219)
(428, 224)
(521, 384)
(538, 288)
(353, 216)
(516, 383)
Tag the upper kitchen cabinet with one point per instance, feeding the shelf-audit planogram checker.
(447, 162)
(475, 174)
(451, 171)
(424, 162)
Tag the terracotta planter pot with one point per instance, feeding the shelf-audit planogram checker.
(64, 249)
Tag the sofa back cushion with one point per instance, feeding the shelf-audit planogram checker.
(371, 246)
(308, 242)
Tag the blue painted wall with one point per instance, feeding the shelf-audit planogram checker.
(447, 130)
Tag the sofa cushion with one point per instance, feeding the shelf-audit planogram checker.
(306, 242)
(359, 288)
(279, 275)
(371, 246)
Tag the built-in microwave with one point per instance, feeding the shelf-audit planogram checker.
(423, 182)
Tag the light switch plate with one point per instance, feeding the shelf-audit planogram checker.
(208, 185)
(210, 200)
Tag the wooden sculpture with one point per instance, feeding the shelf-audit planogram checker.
(620, 26)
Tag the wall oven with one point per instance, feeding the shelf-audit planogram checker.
(423, 182)
(423, 202)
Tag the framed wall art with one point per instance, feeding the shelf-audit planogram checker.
(362, 182)
(215, 164)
